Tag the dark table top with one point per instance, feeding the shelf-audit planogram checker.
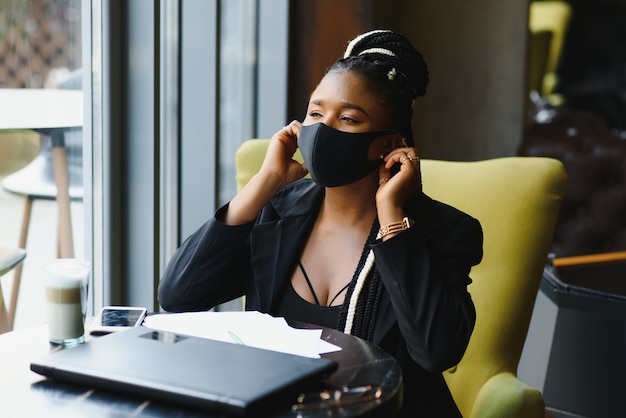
(24, 393)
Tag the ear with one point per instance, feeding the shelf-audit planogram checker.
(392, 142)
(384, 145)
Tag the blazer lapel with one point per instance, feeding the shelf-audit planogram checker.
(277, 240)
(274, 256)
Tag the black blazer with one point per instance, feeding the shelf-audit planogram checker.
(425, 316)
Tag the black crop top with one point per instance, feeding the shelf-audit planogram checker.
(293, 307)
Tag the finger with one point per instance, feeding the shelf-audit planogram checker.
(401, 158)
(410, 156)
(292, 128)
(384, 174)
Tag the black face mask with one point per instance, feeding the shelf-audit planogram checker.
(336, 158)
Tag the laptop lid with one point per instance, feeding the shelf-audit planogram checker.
(212, 375)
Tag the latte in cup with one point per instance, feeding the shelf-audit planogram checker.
(65, 287)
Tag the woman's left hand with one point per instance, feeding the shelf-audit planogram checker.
(394, 191)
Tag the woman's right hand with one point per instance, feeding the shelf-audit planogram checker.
(279, 167)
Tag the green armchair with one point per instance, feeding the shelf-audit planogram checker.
(517, 200)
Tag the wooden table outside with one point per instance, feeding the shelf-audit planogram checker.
(49, 112)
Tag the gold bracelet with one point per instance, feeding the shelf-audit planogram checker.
(402, 225)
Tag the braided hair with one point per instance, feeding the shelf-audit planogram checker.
(393, 70)
(358, 312)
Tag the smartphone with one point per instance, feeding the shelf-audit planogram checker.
(117, 318)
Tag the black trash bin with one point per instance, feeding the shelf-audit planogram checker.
(575, 352)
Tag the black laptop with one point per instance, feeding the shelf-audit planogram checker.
(211, 375)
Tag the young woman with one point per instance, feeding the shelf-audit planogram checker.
(359, 247)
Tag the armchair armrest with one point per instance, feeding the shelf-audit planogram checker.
(505, 396)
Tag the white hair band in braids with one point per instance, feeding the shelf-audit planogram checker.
(382, 51)
(360, 281)
(358, 39)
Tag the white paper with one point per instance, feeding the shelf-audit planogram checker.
(251, 328)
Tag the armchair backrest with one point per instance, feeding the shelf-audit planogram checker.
(249, 158)
(517, 200)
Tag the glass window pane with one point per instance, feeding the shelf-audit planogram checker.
(41, 108)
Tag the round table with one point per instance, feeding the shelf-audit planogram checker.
(25, 393)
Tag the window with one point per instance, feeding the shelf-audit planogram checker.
(186, 95)
(171, 88)
(41, 62)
